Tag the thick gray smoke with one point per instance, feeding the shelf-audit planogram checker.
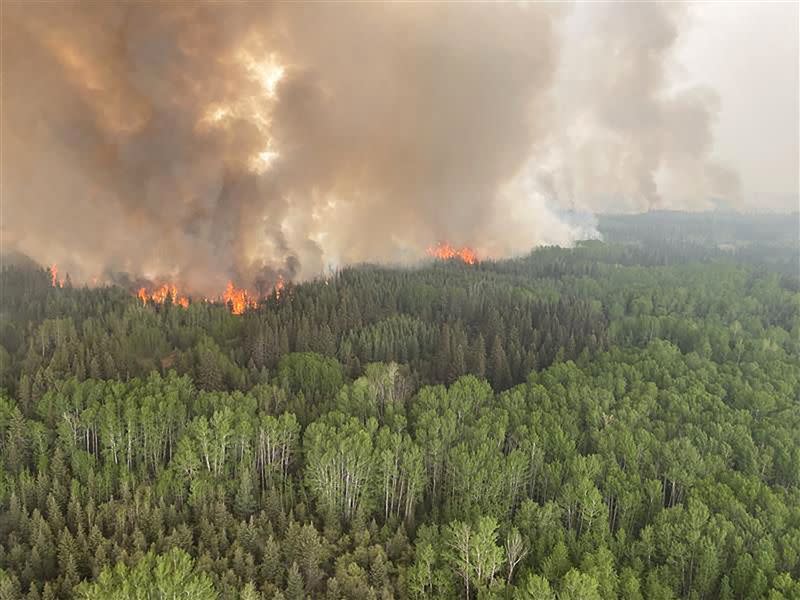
(202, 143)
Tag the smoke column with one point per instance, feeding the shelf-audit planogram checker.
(204, 143)
(628, 138)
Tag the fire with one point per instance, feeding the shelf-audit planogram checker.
(239, 298)
(445, 251)
(160, 295)
(54, 276)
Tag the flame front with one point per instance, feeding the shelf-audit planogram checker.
(445, 251)
(161, 293)
(54, 276)
(238, 298)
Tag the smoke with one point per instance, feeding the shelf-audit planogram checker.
(628, 138)
(202, 143)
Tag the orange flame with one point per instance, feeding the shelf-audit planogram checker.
(239, 299)
(445, 251)
(54, 276)
(161, 293)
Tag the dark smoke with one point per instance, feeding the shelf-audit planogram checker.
(132, 132)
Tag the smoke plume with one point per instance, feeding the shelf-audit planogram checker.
(629, 139)
(203, 143)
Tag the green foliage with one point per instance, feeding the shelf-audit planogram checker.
(172, 575)
(610, 421)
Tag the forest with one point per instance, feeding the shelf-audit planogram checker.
(620, 419)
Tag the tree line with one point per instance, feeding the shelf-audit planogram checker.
(575, 424)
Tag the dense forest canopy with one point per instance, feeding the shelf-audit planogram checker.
(615, 420)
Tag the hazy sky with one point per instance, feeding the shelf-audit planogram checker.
(748, 52)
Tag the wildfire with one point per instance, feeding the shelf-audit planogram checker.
(238, 298)
(54, 276)
(445, 251)
(160, 295)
